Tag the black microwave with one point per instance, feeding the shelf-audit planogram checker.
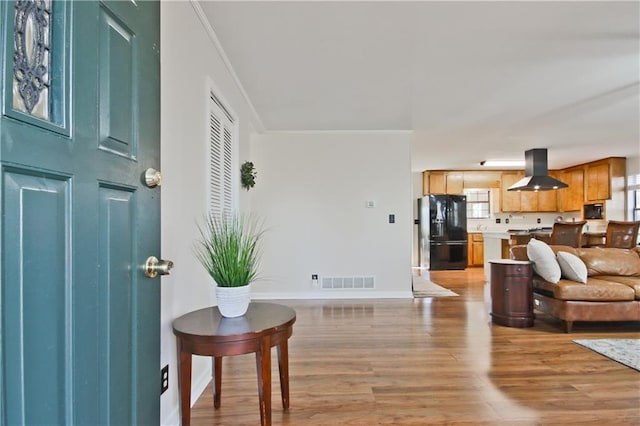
(593, 211)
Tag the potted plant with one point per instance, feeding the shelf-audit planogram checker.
(229, 251)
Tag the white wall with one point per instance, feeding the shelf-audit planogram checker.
(633, 184)
(311, 190)
(189, 62)
(417, 192)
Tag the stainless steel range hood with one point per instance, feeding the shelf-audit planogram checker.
(536, 173)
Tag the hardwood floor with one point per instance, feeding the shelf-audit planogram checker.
(433, 361)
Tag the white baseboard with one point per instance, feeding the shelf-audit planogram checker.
(197, 388)
(335, 294)
(199, 385)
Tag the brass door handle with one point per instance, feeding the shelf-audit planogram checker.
(154, 267)
(152, 178)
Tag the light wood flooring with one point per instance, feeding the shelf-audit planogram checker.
(433, 361)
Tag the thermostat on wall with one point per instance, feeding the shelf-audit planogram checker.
(370, 204)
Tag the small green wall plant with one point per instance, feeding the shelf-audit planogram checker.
(228, 248)
(247, 175)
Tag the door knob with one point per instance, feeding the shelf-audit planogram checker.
(154, 267)
(152, 177)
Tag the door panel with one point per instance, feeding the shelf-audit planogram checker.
(35, 305)
(117, 82)
(116, 284)
(80, 322)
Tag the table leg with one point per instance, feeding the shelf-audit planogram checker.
(184, 379)
(283, 367)
(217, 380)
(263, 365)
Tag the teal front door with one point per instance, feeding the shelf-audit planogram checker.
(79, 320)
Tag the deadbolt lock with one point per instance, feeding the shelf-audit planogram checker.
(155, 267)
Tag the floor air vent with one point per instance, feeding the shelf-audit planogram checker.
(348, 283)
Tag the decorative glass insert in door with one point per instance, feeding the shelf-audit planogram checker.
(31, 68)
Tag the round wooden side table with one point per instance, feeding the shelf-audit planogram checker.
(207, 332)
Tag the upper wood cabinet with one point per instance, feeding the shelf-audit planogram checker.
(526, 201)
(587, 183)
(571, 199)
(548, 200)
(510, 199)
(598, 185)
(481, 179)
(605, 179)
(454, 182)
(425, 183)
(442, 182)
(437, 183)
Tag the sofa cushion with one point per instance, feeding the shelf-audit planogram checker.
(633, 282)
(610, 261)
(593, 290)
(571, 267)
(544, 260)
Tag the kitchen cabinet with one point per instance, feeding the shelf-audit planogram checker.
(572, 197)
(510, 200)
(548, 200)
(454, 183)
(598, 182)
(442, 183)
(526, 201)
(481, 179)
(425, 183)
(605, 181)
(437, 183)
(475, 252)
(592, 182)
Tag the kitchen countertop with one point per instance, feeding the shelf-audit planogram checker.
(508, 233)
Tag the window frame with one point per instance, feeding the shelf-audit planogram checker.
(481, 203)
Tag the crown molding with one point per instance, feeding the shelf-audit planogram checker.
(257, 121)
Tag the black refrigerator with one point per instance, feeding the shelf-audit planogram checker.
(443, 232)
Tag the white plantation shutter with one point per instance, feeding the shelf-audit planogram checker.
(227, 187)
(221, 140)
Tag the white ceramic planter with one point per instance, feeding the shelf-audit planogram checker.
(233, 301)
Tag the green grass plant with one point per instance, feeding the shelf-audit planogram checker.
(229, 249)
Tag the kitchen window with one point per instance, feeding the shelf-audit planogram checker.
(478, 203)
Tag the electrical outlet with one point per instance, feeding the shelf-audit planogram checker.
(164, 379)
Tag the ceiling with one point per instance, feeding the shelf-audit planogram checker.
(471, 80)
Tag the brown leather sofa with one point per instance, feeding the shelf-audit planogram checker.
(612, 291)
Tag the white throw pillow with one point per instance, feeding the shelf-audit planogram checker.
(544, 260)
(572, 267)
